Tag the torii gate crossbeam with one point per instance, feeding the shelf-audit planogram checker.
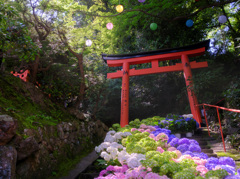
(154, 57)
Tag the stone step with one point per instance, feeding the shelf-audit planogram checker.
(207, 151)
(205, 147)
(212, 155)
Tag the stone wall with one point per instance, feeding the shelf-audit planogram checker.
(38, 152)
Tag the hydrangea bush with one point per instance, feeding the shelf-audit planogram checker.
(148, 151)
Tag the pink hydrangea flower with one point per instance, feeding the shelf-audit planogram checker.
(151, 136)
(202, 169)
(103, 172)
(133, 129)
(143, 126)
(171, 149)
(159, 149)
(148, 130)
(141, 130)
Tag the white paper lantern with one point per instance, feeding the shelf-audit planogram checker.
(222, 19)
(88, 43)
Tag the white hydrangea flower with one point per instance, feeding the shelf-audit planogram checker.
(116, 145)
(123, 156)
(107, 157)
(125, 134)
(111, 132)
(97, 149)
(109, 138)
(118, 135)
(103, 154)
(133, 162)
(105, 145)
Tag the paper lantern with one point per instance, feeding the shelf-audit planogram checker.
(222, 19)
(189, 23)
(142, 1)
(119, 8)
(153, 26)
(88, 43)
(109, 26)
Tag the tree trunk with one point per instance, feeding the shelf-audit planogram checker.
(82, 75)
(34, 70)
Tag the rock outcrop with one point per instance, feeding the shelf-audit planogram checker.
(8, 128)
(38, 152)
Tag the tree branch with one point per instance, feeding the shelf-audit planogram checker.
(218, 4)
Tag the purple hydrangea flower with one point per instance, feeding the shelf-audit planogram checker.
(174, 142)
(193, 141)
(227, 161)
(188, 153)
(238, 171)
(194, 148)
(171, 137)
(183, 141)
(213, 160)
(201, 155)
(183, 148)
(228, 168)
(232, 177)
(210, 166)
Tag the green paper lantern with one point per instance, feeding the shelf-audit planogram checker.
(153, 26)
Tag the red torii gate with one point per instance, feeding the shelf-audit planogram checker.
(154, 57)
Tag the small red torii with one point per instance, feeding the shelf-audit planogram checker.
(23, 75)
(154, 57)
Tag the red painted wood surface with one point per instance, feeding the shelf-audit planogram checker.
(156, 69)
(162, 57)
(189, 83)
(125, 95)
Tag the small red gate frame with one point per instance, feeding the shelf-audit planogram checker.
(217, 108)
(154, 57)
(23, 75)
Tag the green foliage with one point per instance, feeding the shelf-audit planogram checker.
(15, 101)
(216, 173)
(14, 35)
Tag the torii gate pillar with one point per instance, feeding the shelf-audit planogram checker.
(125, 95)
(189, 84)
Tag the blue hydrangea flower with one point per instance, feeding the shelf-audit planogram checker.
(183, 141)
(228, 168)
(227, 161)
(183, 148)
(174, 142)
(193, 141)
(232, 177)
(188, 153)
(171, 137)
(210, 166)
(194, 148)
(187, 119)
(213, 160)
(200, 155)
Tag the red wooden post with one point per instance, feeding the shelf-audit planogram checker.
(125, 95)
(206, 120)
(189, 83)
(221, 129)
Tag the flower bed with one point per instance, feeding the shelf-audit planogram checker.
(149, 151)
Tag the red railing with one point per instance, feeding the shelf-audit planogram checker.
(217, 108)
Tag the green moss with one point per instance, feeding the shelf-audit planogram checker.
(15, 101)
(232, 154)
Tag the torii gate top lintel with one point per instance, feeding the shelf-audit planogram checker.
(162, 54)
(125, 60)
